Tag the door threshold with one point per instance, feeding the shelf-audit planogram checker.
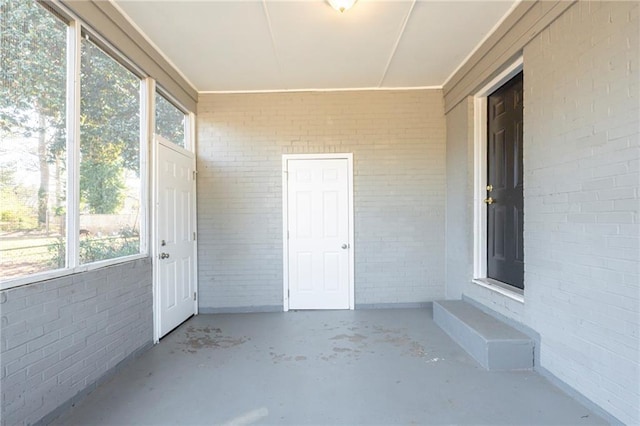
(502, 288)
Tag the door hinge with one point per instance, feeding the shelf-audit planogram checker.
(194, 295)
(194, 236)
(288, 293)
(287, 234)
(195, 172)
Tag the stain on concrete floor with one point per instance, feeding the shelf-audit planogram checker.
(197, 338)
(344, 367)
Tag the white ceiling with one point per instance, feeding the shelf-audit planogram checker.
(255, 45)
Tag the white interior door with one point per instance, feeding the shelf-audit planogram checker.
(175, 236)
(319, 235)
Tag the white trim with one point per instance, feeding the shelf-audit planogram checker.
(349, 89)
(484, 39)
(74, 36)
(480, 182)
(285, 234)
(479, 188)
(147, 85)
(154, 233)
(190, 138)
(502, 288)
(285, 221)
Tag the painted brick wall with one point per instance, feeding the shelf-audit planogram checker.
(582, 121)
(60, 336)
(459, 208)
(581, 191)
(397, 139)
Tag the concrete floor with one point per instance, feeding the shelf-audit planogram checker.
(320, 367)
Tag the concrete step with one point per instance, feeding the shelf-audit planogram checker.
(491, 342)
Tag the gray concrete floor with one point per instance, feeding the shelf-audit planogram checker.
(320, 367)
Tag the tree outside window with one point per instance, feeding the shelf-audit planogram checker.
(33, 147)
(33, 157)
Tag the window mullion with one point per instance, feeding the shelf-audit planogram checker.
(73, 143)
(147, 126)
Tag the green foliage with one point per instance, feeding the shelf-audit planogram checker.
(57, 251)
(33, 67)
(101, 179)
(109, 106)
(15, 215)
(93, 249)
(169, 121)
(33, 76)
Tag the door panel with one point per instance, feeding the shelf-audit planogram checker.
(175, 236)
(318, 234)
(505, 257)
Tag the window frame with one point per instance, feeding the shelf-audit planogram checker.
(76, 29)
(189, 121)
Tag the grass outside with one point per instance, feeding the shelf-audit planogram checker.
(22, 255)
(26, 254)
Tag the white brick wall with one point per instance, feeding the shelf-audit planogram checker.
(459, 217)
(582, 127)
(397, 139)
(60, 336)
(581, 191)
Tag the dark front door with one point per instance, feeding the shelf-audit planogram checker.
(505, 259)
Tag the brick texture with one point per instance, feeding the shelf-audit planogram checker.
(581, 192)
(60, 336)
(398, 142)
(582, 121)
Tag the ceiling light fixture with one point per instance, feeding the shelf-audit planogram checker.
(341, 5)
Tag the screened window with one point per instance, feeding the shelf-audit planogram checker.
(170, 121)
(33, 155)
(110, 185)
(73, 145)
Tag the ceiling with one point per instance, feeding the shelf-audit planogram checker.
(264, 45)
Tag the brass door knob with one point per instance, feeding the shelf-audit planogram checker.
(489, 200)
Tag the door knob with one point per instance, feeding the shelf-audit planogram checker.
(164, 255)
(345, 246)
(489, 200)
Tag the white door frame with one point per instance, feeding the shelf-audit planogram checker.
(157, 140)
(285, 220)
(480, 184)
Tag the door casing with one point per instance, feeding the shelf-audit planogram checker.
(285, 221)
(480, 184)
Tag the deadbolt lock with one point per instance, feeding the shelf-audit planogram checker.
(489, 188)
